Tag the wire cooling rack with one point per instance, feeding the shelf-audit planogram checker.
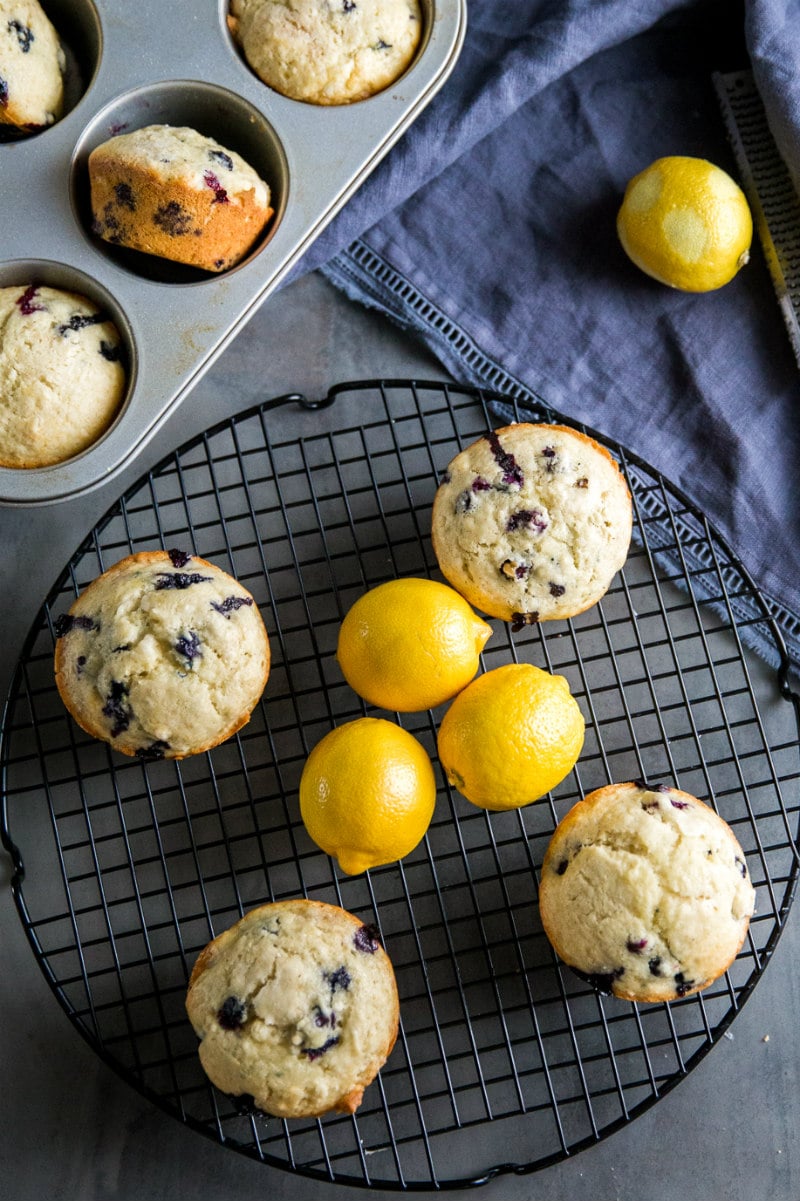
(125, 869)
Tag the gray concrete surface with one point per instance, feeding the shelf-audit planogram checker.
(70, 1130)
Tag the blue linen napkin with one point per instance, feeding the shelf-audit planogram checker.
(773, 40)
(490, 232)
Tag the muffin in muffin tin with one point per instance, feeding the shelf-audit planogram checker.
(32, 66)
(62, 377)
(173, 192)
(327, 53)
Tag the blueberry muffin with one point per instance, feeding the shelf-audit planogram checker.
(327, 51)
(32, 65)
(164, 655)
(296, 1008)
(532, 522)
(645, 892)
(61, 376)
(172, 192)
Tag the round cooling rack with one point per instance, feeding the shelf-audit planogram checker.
(125, 869)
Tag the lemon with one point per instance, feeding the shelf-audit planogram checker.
(511, 736)
(686, 223)
(367, 793)
(410, 644)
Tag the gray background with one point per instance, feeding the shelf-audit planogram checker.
(69, 1128)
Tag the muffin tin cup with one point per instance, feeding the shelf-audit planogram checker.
(177, 64)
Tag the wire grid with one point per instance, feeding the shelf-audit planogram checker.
(130, 867)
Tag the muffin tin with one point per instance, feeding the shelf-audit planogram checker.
(177, 64)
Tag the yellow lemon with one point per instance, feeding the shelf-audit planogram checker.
(686, 223)
(410, 644)
(367, 793)
(511, 736)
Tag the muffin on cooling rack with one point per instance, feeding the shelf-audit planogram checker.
(61, 378)
(645, 892)
(296, 1008)
(532, 522)
(32, 65)
(327, 53)
(164, 655)
(172, 192)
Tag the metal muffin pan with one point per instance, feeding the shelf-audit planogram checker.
(132, 65)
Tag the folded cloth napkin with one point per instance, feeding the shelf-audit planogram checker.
(490, 231)
(773, 40)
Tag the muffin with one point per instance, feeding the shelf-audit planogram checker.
(61, 375)
(32, 65)
(532, 522)
(172, 192)
(163, 656)
(645, 892)
(326, 52)
(296, 1008)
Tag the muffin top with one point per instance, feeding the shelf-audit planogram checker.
(645, 892)
(32, 64)
(181, 156)
(296, 1006)
(61, 375)
(532, 522)
(327, 51)
(163, 655)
